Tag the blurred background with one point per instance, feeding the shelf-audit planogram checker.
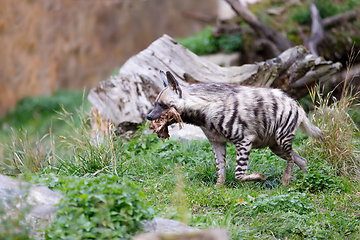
(52, 52)
(64, 44)
(46, 45)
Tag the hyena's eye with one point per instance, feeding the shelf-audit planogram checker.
(163, 105)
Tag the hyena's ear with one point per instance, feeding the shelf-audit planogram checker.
(174, 85)
(163, 78)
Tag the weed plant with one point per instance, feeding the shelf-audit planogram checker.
(100, 207)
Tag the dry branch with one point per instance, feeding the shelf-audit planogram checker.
(128, 97)
(339, 18)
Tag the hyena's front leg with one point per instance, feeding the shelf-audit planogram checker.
(219, 149)
(243, 149)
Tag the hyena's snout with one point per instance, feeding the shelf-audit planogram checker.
(155, 113)
(151, 117)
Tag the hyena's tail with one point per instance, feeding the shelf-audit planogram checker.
(308, 127)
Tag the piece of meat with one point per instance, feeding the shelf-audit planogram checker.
(160, 125)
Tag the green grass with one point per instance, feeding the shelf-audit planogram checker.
(38, 114)
(178, 180)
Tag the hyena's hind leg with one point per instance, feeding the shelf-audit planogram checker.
(300, 161)
(243, 149)
(285, 151)
(219, 149)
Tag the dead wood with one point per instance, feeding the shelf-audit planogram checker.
(347, 16)
(260, 27)
(318, 25)
(348, 74)
(317, 31)
(128, 97)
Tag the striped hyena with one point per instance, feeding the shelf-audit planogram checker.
(248, 117)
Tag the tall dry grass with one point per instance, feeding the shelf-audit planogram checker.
(26, 154)
(341, 147)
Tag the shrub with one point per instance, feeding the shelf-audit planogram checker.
(229, 43)
(326, 9)
(103, 207)
(301, 15)
(318, 179)
(204, 42)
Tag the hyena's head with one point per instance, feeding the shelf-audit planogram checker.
(167, 98)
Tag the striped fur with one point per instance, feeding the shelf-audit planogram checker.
(248, 117)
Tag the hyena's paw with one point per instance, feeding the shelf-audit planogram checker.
(259, 177)
(252, 177)
(286, 179)
(220, 182)
(219, 185)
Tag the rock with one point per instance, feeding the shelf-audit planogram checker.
(213, 234)
(187, 132)
(161, 228)
(17, 196)
(41, 198)
(167, 226)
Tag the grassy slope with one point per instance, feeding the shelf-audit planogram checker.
(178, 180)
(178, 177)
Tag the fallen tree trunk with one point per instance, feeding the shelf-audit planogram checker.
(128, 97)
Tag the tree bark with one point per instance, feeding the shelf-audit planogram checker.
(128, 97)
